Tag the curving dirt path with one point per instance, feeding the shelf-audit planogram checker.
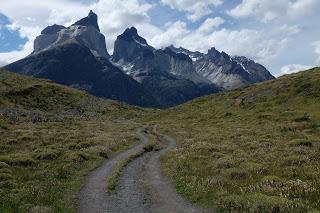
(92, 198)
(141, 188)
(164, 196)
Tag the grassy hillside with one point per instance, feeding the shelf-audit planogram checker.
(254, 149)
(50, 136)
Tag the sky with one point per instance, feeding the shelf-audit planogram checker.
(283, 35)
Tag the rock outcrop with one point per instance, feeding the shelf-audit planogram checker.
(169, 76)
(226, 71)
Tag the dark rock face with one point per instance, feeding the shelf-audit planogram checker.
(74, 65)
(90, 20)
(74, 60)
(169, 76)
(137, 73)
(226, 71)
(132, 49)
(52, 29)
(86, 32)
(258, 72)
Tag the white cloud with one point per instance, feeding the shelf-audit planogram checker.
(172, 33)
(116, 15)
(299, 8)
(266, 10)
(287, 26)
(195, 9)
(293, 68)
(210, 24)
(289, 30)
(30, 17)
(293, 21)
(9, 57)
(260, 45)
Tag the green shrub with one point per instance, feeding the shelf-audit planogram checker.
(103, 154)
(3, 165)
(252, 168)
(4, 127)
(258, 203)
(73, 146)
(5, 170)
(40, 209)
(295, 160)
(18, 160)
(47, 155)
(236, 173)
(78, 157)
(5, 176)
(84, 145)
(63, 172)
(228, 114)
(26, 138)
(217, 155)
(226, 162)
(12, 142)
(304, 118)
(300, 142)
(271, 180)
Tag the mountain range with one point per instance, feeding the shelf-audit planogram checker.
(136, 73)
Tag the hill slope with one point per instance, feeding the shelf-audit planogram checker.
(52, 135)
(253, 149)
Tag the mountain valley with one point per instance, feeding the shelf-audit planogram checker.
(136, 73)
(144, 129)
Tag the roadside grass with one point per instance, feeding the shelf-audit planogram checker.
(255, 149)
(50, 137)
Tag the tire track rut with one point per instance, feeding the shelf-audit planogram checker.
(141, 188)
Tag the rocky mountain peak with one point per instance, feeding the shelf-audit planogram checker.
(84, 32)
(130, 46)
(52, 29)
(225, 56)
(131, 34)
(213, 52)
(90, 20)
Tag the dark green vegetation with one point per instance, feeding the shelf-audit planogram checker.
(253, 149)
(50, 136)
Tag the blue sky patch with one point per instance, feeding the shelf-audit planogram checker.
(9, 40)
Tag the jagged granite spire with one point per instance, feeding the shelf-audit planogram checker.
(131, 34)
(130, 46)
(85, 32)
(90, 20)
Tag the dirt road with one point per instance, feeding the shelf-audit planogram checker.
(141, 187)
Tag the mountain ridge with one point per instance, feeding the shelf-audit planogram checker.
(153, 77)
(226, 71)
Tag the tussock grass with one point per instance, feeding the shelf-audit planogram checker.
(254, 149)
(51, 136)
